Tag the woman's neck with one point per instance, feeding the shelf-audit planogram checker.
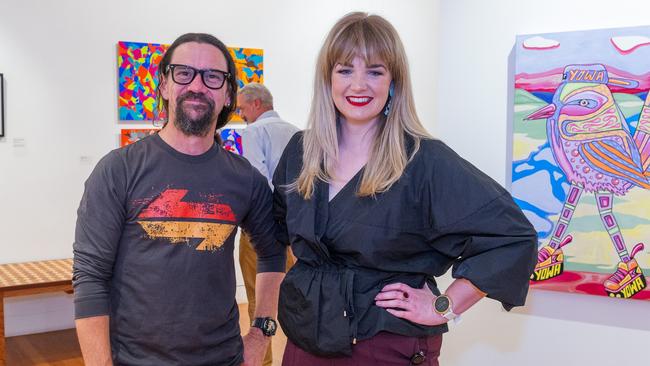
(357, 138)
(355, 141)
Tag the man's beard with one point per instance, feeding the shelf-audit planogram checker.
(199, 126)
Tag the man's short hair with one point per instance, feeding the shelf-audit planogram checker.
(231, 82)
(254, 91)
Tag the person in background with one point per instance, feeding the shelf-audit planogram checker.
(375, 208)
(263, 141)
(154, 272)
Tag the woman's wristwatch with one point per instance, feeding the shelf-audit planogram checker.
(443, 306)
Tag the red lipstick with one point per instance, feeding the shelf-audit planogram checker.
(358, 101)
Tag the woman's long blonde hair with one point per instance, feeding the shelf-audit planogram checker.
(372, 38)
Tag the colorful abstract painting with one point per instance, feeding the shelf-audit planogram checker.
(231, 140)
(250, 65)
(131, 135)
(137, 70)
(250, 69)
(581, 156)
(138, 76)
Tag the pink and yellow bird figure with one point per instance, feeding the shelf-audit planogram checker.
(592, 144)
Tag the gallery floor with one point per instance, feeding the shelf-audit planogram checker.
(62, 349)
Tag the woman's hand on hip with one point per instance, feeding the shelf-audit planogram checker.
(413, 304)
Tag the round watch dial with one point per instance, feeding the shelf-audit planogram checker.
(270, 326)
(442, 304)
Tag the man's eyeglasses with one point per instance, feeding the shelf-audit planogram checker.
(184, 75)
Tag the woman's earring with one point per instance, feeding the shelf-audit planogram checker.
(391, 90)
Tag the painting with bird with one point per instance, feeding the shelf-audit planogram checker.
(581, 157)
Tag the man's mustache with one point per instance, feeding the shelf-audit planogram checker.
(196, 97)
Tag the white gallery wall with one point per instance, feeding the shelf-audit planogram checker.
(474, 79)
(60, 67)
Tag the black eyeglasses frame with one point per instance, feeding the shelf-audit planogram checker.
(170, 68)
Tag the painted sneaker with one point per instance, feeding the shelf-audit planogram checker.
(628, 279)
(550, 261)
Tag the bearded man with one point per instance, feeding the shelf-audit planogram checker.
(154, 273)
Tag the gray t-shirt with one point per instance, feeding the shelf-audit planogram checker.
(154, 251)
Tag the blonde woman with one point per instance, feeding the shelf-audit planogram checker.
(375, 208)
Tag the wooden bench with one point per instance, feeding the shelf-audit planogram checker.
(20, 279)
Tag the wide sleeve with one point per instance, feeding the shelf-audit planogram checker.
(259, 224)
(100, 220)
(480, 228)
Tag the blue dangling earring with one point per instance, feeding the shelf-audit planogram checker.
(391, 90)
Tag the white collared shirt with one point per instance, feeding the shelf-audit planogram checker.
(264, 141)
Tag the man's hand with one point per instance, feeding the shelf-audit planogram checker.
(255, 344)
(267, 287)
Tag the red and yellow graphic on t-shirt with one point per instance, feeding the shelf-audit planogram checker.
(169, 206)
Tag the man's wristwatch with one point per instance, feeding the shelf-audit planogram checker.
(267, 325)
(442, 306)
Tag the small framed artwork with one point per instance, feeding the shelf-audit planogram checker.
(231, 140)
(2, 106)
(131, 135)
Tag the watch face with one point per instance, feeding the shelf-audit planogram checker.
(441, 304)
(269, 326)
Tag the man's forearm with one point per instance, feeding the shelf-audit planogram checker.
(267, 290)
(94, 340)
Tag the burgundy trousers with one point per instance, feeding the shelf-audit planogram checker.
(384, 349)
